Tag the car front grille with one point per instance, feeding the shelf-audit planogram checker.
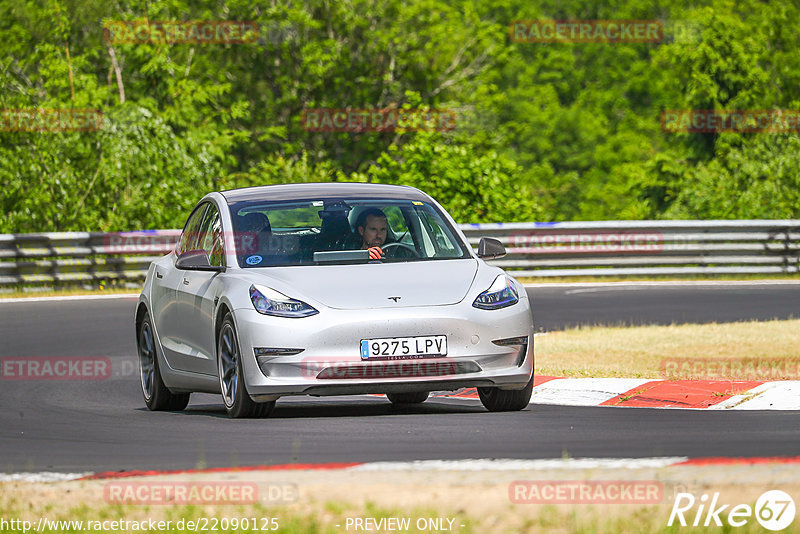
(394, 370)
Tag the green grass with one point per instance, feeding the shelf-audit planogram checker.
(639, 352)
(332, 519)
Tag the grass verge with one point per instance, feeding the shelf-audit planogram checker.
(433, 501)
(639, 352)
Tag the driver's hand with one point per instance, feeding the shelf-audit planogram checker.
(375, 253)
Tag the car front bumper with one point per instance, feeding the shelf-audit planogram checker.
(330, 362)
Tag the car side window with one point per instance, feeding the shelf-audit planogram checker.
(191, 231)
(210, 237)
(443, 241)
(397, 224)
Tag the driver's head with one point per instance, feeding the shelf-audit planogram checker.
(373, 228)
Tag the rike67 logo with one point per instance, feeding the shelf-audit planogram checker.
(774, 510)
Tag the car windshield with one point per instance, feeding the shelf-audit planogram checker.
(308, 232)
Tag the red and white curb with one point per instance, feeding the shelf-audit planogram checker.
(645, 393)
(472, 465)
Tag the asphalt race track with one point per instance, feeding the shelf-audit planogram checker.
(98, 425)
(555, 308)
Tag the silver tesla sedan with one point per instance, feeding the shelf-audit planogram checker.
(330, 289)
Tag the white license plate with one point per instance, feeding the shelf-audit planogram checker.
(403, 348)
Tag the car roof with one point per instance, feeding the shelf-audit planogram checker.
(322, 191)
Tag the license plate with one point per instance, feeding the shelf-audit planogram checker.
(403, 348)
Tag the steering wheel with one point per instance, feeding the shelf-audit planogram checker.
(401, 246)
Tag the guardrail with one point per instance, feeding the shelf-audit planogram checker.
(72, 257)
(625, 248)
(599, 248)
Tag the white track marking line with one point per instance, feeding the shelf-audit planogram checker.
(663, 283)
(583, 391)
(41, 477)
(478, 464)
(69, 297)
(604, 289)
(517, 465)
(783, 395)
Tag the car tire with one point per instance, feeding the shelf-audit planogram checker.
(501, 400)
(237, 401)
(157, 396)
(415, 397)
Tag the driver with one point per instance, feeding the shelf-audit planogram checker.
(373, 227)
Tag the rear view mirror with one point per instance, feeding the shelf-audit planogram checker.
(489, 248)
(196, 260)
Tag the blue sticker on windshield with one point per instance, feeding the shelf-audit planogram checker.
(253, 260)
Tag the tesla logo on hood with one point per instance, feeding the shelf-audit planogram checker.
(394, 298)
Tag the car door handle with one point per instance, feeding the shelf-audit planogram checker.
(159, 275)
(186, 281)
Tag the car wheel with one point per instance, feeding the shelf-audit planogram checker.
(156, 395)
(415, 397)
(237, 401)
(500, 400)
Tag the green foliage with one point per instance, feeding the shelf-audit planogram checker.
(758, 179)
(475, 186)
(544, 131)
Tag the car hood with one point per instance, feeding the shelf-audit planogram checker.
(425, 283)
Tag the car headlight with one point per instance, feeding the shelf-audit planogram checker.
(501, 294)
(271, 302)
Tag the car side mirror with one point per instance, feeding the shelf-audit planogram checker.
(196, 260)
(489, 248)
